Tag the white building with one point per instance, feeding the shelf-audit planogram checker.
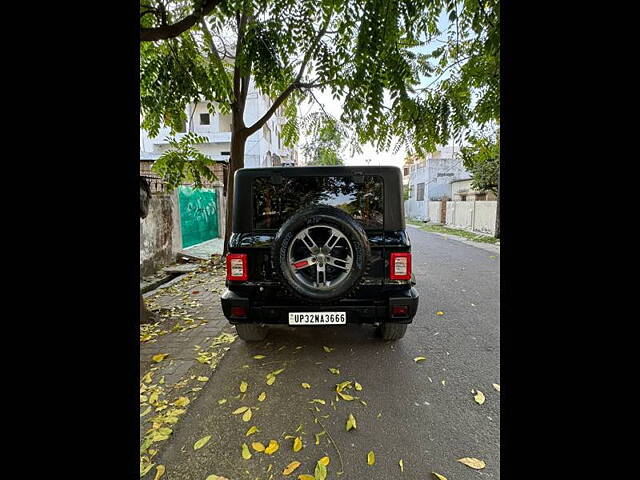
(430, 180)
(262, 149)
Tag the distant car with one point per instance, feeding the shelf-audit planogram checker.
(319, 246)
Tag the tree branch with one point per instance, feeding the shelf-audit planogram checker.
(165, 32)
(281, 98)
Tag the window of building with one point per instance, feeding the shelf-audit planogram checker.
(205, 119)
(225, 153)
(420, 192)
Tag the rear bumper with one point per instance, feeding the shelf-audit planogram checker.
(358, 310)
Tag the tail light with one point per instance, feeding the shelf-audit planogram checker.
(237, 268)
(400, 266)
(399, 311)
(238, 312)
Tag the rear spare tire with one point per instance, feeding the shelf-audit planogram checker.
(320, 254)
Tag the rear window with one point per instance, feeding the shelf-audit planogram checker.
(274, 204)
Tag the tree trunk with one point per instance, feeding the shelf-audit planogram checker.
(236, 161)
(497, 234)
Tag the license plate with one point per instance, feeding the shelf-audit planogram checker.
(317, 318)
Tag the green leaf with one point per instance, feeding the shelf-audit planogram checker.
(246, 454)
(202, 442)
(320, 471)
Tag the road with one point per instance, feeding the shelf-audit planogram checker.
(422, 413)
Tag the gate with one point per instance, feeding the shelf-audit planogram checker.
(198, 215)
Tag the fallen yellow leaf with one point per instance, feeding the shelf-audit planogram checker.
(297, 444)
(351, 422)
(258, 446)
(305, 385)
(240, 410)
(358, 386)
(262, 396)
(182, 402)
(272, 447)
(438, 476)
(159, 472)
(259, 357)
(478, 397)
(472, 462)
(251, 431)
(203, 379)
(247, 415)
(290, 468)
(335, 371)
(496, 386)
(318, 400)
(222, 400)
(216, 477)
(346, 396)
(371, 458)
(271, 380)
(324, 461)
(202, 442)
(158, 357)
(419, 359)
(243, 386)
(401, 463)
(327, 349)
(306, 477)
(439, 313)
(246, 454)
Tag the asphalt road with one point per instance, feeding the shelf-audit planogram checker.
(409, 414)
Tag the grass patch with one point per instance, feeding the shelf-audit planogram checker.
(414, 221)
(460, 233)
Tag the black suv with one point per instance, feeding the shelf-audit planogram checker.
(319, 246)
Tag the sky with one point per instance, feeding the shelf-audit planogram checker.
(334, 108)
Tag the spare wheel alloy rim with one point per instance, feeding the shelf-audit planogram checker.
(320, 257)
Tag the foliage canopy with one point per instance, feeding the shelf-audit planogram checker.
(372, 55)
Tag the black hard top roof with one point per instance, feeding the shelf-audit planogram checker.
(392, 178)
